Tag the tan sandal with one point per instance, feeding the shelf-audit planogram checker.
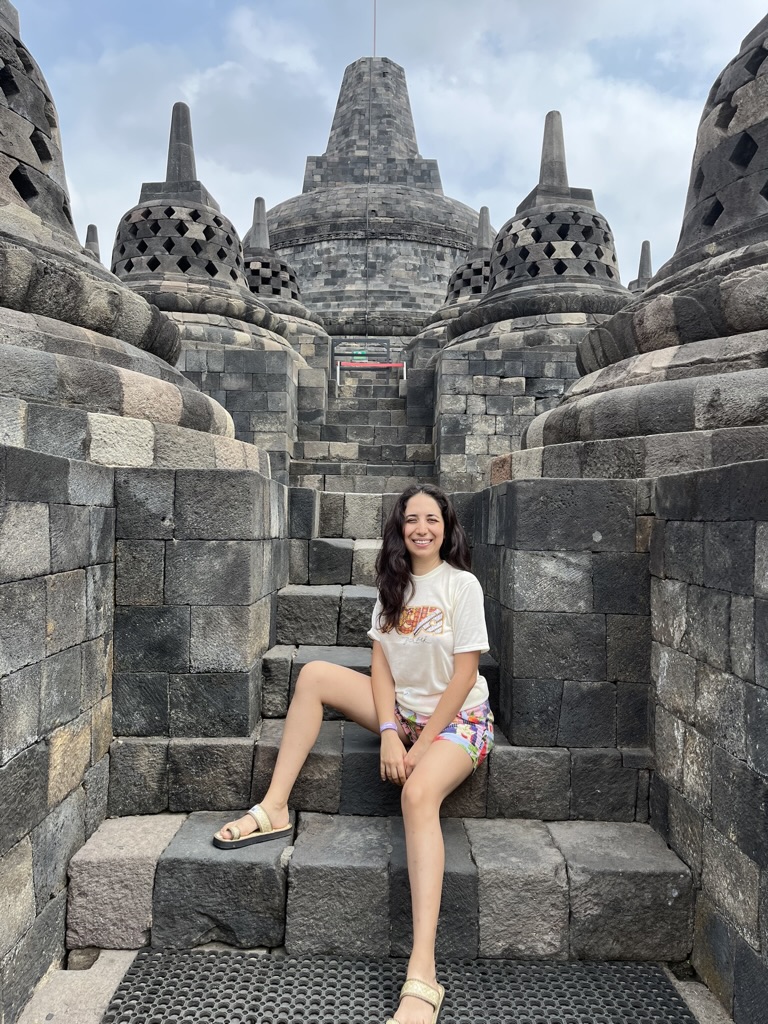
(421, 990)
(264, 832)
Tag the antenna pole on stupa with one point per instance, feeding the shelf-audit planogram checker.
(484, 236)
(646, 270)
(554, 172)
(181, 150)
(259, 236)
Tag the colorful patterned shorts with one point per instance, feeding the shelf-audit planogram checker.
(471, 729)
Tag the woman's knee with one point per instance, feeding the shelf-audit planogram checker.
(418, 796)
(311, 676)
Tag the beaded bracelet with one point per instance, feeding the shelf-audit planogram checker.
(387, 725)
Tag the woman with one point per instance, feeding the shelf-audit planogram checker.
(428, 631)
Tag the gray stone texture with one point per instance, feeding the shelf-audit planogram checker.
(209, 773)
(318, 785)
(138, 781)
(203, 894)
(528, 782)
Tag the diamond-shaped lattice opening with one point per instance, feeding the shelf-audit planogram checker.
(146, 214)
(114, 268)
(40, 143)
(536, 235)
(755, 61)
(563, 230)
(576, 218)
(576, 249)
(183, 264)
(169, 245)
(222, 254)
(599, 252)
(233, 275)
(587, 232)
(526, 222)
(725, 115)
(218, 222)
(500, 245)
(596, 221)
(712, 216)
(509, 275)
(743, 151)
(195, 215)
(142, 246)
(154, 227)
(549, 250)
(560, 267)
(128, 267)
(211, 269)
(196, 248)
(764, 191)
(169, 211)
(229, 239)
(22, 183)
(515, 239)
(609, 272)
(238, 261)
(524, 253)
(590, 269)
(127, 217)
(121, 251)
(551, 218)
(133, 230)
(208, 233)
(181, 228)
(153, 263)
(533, 270)
(698, 181)
(504, 260)
(7, 82)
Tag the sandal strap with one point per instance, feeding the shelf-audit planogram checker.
(261, 817)
(421, 990)
(234, 831)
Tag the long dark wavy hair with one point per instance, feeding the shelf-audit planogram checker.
(393, 563)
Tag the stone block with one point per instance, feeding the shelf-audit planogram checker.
(19, 711)
(304, 513)
(101, 728)
(364, 562)
(96, 787)
(205, 774)
(760, 642)
(229, 638)
(669, 615)
(631, 897)
(203, 894)
(587, 715)
(225, 505)
(628, 648)
(318, 786)
(362, 789)
(331, 514)
(34, 477)
(100, 600)
(355, 616)
(528, 782)
(571, 515)
(41, 948)
(757, 729)
(22, 624)
(299, 562)
(535, 711)
(684, 552)
(101, 535)
(276, 680)
(621, 583)
(111, 881)
(140, 704)
(308, 615)
(25, 543)
(674, 674)
(750, 985)
(697, 770)
(547, 581)
(139, 572)
(686, 827)
(96, 669)
(336, 855)
(742, 637)
(362, 516)
(732, 881)
(65, 610)
(721, 709)
(152, 639)
(138, 780)
(144, 503)
(330, 561)
(601, 787)
(669, 743)
(213, 572)
(559, 646)
(69, 756)
(70, 537)
(215, 704)
(54, 842)
(470, 798)
(713, 951)
(522, 889)
(633, 714)
(17, 895)
(729, 557)
(740, 805)
(708, 636)
(457, 928)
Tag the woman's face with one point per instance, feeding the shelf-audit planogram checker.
(423, 532)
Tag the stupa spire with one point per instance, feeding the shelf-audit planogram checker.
(181, 149)
(484, 233)
(645, 270)
(92, 241)
(554, 172)
(258, 237)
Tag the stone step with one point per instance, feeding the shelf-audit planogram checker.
(328, 615)
(364, 403)
(334, 560)
(348, 470)
(360, 433)
(359, 485)
(384, 453)
(518, 889)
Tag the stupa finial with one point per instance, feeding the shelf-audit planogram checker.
(554, 172)
(259, 233)
(181, 149)
(92, 241)
(646, 269)
(484, 233)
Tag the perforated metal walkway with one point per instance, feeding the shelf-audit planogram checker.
(240, 988)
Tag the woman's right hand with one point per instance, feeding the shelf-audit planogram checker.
(392, 758)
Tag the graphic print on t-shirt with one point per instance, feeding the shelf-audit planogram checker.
(422, 620)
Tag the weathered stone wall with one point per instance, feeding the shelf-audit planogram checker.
(200, 557)
(709, 613)
(56, 595)
(564, 566)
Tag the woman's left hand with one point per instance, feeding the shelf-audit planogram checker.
(414, 755)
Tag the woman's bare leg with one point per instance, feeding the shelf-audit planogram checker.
(319, 683)
(440, 771)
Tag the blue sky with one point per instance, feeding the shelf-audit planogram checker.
(262, 79)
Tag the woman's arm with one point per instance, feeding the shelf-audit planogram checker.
(465, 666)
(392, 754)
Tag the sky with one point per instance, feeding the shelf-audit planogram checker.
(262, 79)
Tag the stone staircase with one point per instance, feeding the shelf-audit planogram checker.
(548, 850)
(366, 443)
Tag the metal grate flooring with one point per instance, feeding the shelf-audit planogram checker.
(163, 987)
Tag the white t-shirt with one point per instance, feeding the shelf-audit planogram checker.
(444, 616)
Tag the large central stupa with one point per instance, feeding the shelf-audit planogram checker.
(372, 237)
